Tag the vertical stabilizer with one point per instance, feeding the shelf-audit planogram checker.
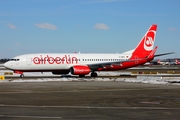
(145, 47)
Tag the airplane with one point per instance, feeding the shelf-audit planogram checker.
(151, 63)
(163, 62)
(84, 64)
(177, 62)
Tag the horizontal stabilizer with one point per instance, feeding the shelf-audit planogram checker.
(163, 54)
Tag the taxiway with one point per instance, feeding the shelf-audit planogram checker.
(88, 100)
(108, 97)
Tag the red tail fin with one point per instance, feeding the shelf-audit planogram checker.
(177, 62)
(145, 47)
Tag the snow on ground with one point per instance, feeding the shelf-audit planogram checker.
(140, 79)
(115, 73)
(131, 80)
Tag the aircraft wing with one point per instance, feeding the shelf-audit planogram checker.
(109, 64)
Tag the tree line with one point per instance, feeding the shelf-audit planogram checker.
(4, 60)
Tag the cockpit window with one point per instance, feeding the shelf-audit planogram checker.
(14, 59)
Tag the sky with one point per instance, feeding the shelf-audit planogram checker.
(86, 26)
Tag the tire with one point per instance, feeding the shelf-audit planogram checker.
(93, 74)
(22, 75)
(81, 76)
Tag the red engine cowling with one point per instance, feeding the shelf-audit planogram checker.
(80, 70)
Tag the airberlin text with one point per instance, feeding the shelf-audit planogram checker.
(66, 59)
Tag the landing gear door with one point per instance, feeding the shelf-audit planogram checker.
(28, 60)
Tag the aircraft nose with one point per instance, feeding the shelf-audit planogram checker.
(7, 65)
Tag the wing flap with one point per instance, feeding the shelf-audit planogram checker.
(110, 64)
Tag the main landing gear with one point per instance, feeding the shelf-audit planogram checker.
(93, 74)
(81, 76)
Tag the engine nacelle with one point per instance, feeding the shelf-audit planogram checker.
(60, 72)
(80, 70)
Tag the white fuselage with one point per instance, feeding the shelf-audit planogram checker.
(47, 61)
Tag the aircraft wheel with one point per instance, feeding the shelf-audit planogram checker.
(93, 74)
(81, 76)
(22, 75)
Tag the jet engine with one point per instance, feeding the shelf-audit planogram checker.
(80, 70)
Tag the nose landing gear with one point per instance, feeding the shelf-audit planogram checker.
(22, 75)
(19, 72)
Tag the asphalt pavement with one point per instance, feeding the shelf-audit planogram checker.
(88, 100)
